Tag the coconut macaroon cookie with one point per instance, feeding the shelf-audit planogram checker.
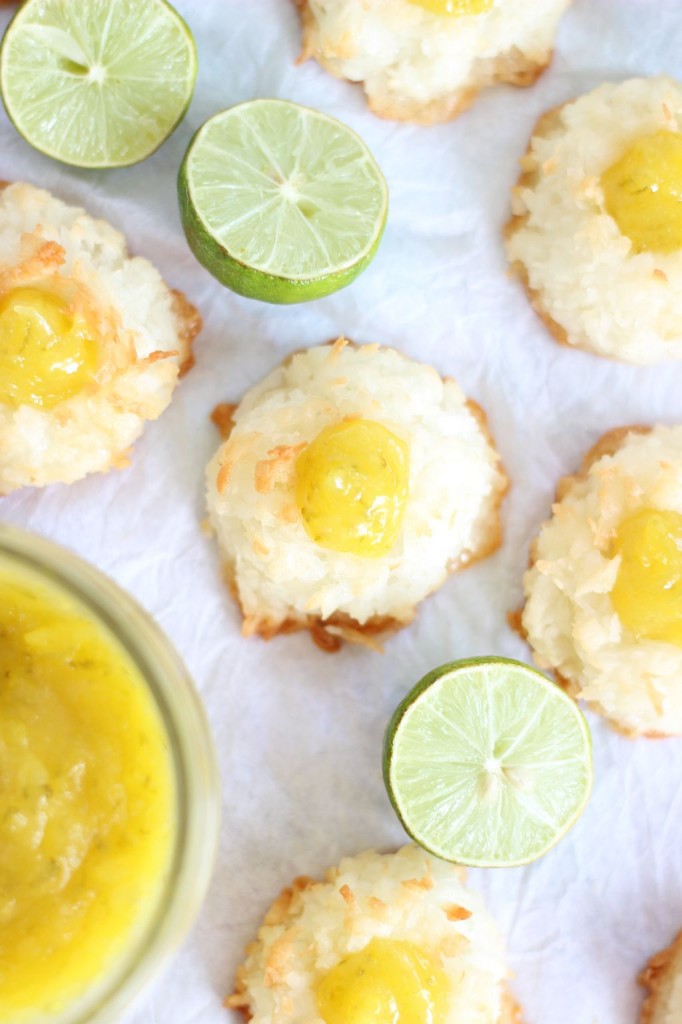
(596, 232)
(604, 590)
(91, 342)
(425, 60)
(386, 938)
(351, 482)
(662, 978)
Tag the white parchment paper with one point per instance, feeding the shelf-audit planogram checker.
(298, 732)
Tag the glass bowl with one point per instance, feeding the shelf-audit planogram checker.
(193, 762)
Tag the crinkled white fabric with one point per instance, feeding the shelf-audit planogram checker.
(299, 732)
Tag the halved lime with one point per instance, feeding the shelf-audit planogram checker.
(281, 203)
(488, 763)
(97, 83)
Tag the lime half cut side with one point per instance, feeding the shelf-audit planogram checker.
(488, 763)
(97, 83)
(280, 202)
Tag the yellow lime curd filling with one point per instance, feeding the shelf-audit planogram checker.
(388, 982)
(455, 7)
(351, 487)
(87, 800)
(643, 193)
(47, 349)
(648, 591)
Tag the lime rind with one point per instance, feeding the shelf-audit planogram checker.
(80, 82)
(281, 202)
(495, 712)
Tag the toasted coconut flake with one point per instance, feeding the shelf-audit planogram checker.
(280, 959)
(39, 259)
(190, 323)
(223, 417)
(425, 882)
(662, 978)
(278, 467)
(348, 897)
(457, 913)
(337, 348)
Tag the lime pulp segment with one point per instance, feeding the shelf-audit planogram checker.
(488, 763)
(97, 83)
(281, 202)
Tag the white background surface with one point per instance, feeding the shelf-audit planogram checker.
(298, 732)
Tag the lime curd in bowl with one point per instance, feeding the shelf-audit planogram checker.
(108, 792)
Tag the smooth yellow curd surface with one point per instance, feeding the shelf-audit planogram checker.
(47, 352)
(648, 591)
(388, 982)
(351, 487)
(643, 193)
(87, 799)
(456, 7)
